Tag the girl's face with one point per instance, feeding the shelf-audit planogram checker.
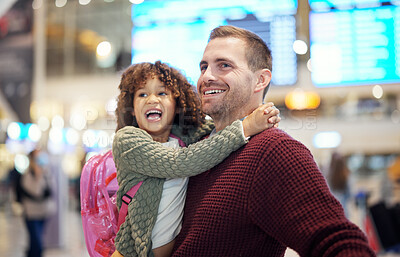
(154, 108)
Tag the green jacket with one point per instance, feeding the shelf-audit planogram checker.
(129, 145)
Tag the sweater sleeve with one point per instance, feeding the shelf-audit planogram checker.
(135, 151)
(195, 134)
(306, 217)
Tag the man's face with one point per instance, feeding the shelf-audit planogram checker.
(226, 83)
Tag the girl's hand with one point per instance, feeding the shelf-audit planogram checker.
(264, 117)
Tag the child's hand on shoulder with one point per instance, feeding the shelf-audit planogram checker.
(264, 117)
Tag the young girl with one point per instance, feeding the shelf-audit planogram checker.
(160, 101)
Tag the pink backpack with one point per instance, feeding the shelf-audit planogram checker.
(100, 217)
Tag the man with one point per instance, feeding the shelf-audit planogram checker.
(269, 194)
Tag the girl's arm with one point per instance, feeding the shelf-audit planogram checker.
(134, 150)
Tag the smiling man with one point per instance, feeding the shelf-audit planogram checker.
(228, 88)
(269, 194)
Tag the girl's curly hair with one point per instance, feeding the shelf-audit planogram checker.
(188, 106)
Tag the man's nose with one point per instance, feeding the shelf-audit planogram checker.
(208, 75)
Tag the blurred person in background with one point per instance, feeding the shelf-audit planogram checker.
(394, 176)
(14, 180)
(36, 201)
(338, 177)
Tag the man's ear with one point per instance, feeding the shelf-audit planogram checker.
(263, 79)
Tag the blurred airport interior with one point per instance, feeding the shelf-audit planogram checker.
(336, 82)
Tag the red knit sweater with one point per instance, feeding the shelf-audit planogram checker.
(266, 196)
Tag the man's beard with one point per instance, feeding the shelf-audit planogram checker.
(227, 109)
(217, 111)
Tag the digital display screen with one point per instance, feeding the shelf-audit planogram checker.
(176, 32)
(355, 47)
(324, 5)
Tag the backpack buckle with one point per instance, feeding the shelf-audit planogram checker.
(126, 199)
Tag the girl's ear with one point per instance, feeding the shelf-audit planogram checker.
(263, 79)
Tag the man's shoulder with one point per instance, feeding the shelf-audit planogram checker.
(275, 138)
(270, 135)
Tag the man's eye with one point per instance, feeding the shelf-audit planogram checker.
(203, 68)
(225, 65)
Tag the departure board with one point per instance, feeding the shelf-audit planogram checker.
(323, 5)
(355, 46)
(176, 31)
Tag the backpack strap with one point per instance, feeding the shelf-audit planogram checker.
(126, 199)
(181, 143)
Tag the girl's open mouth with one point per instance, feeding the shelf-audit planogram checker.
(153, 115)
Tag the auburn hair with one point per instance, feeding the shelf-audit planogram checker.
(188, 106)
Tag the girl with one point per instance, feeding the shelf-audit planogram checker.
(160, 101)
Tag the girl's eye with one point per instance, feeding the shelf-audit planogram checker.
(142, 95)
(162, 93)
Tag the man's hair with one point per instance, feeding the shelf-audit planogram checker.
(188, 106)
(257, 53)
